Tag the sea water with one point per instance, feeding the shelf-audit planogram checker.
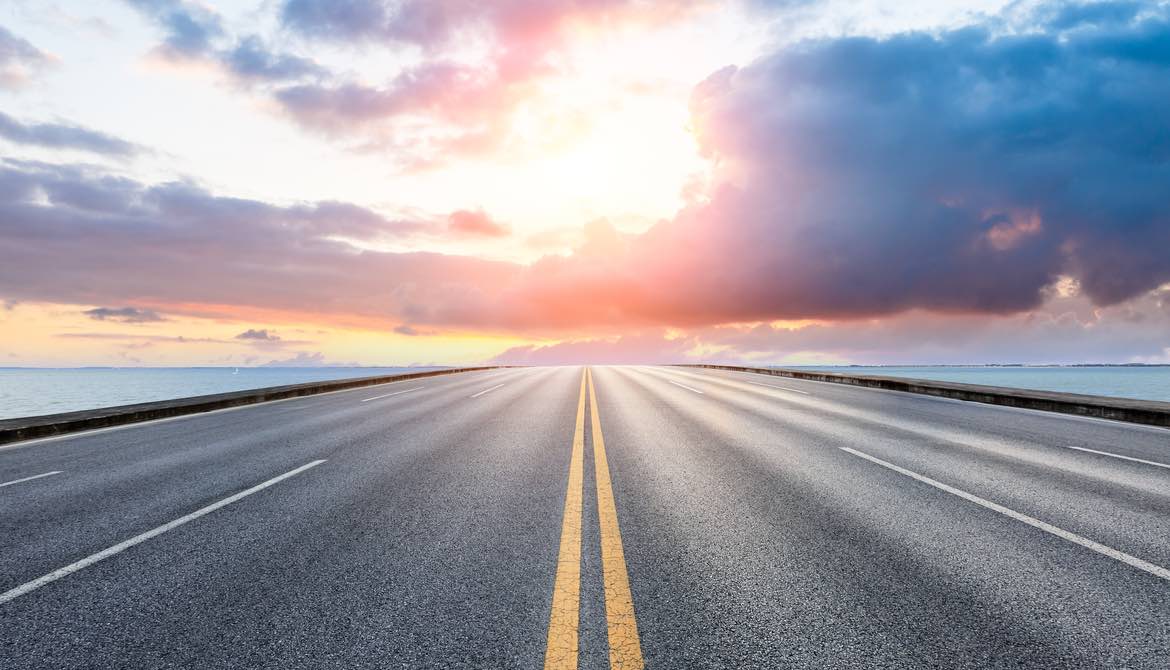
(36, 391)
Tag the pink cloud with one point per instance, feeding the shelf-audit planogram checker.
(1064, 331)
(465, 223)
(856, 179)
(466, 104)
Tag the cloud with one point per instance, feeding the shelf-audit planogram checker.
(124, 315)
(465, 223)
(412, 331)
(138, 337)
(1065, 16)
(425, 113)
(260, 339)
(463, 103)
(348, 19)
(18, 59)
(435, 24)
(300, 360)
(478, 63)
(191, 28)
(958, 173)
(64, 136)
(962, 172)
(439, 88)
(74, 234)
(1066, 330)
(251, 60)
(637, 349)
(195, 32)
(259, 335)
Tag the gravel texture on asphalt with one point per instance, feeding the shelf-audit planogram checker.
(429, 536)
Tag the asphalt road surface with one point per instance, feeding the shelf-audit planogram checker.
(549, 518)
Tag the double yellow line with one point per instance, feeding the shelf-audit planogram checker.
(625, 650)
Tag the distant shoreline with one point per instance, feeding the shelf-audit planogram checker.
(228, 367)
(439, 367)
(29, 391)
(985, 365)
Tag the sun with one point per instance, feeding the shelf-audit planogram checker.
(608, 136)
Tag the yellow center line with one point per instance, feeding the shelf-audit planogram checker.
(561, 652)
(625, 650)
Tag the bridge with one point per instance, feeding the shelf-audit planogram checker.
(608, 517)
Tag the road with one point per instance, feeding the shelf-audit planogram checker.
(543, 517)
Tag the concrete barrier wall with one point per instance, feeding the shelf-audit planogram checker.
(1149, 412)
(15, 430)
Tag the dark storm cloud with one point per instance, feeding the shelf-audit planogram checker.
(960, 172)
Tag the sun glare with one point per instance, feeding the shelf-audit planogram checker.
(608, 137)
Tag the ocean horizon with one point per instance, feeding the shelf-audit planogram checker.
(34, 391)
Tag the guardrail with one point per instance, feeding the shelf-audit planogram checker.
(1148, 412)
(48, 425)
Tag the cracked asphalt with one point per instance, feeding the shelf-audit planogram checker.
(429, 535)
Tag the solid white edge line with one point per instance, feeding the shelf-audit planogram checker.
(167, 419)
(782, 388)
(487, 390)
(139, 539)
(1115, 554)
(685, 386)
(387, 395)
(29, 479)
(97, 431)
(1124, 458)
(1116, 423)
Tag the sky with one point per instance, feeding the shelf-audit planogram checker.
(401, 182)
